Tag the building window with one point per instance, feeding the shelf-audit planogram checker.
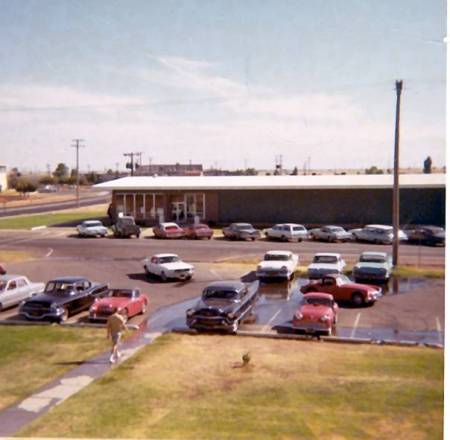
(195, 205)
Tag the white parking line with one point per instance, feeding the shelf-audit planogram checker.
(439, 330)
(215, 274)
(268, 325)
(50, 251)
(355, 325)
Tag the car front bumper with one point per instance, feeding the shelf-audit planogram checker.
(311, 326)
(273, 274)
(210, 323)
(40, 315)
(181, 274)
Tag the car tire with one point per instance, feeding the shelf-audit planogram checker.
(357, 299)
(163, 276)
(64, 316)
(284, 238)
(1, 307)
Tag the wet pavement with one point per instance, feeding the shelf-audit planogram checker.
(277, 303)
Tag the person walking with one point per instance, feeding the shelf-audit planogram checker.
(114, 328)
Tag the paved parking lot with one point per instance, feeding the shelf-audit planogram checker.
(415, 312)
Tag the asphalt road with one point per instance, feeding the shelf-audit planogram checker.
(414, 312)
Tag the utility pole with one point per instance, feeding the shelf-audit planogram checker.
(78, 146)
(396, 192)
(131, 156)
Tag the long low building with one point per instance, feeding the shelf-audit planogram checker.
(347, 200)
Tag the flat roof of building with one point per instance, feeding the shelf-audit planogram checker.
(353, 181)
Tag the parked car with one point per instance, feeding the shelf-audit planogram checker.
(373, 266)
(198, 230)
(277, 264)
(92, 228)
(380, 234)
(324, 264)
(128, 302)
(223, 305)
(343, 289)
(125, 227)
(241, 231)
(317, 314)
(331, 233)
(428, 235)
(168, 266)
(168, 230)
(48, 189)
(287, 232)
(16, 288)
(61, 298)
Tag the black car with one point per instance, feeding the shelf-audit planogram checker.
(62, 297)
(222, 306)
(125, 227)
(428, 235)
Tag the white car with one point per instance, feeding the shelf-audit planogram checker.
(324, 264)
(287, 232)
(16, 288)
(92, 228)
(168, 266)
(277, 264)
(331, 233)
(381, 234)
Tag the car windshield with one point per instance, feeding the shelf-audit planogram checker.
(120, 293)
(127, 221)
(298, 228)
(93, 223)
(325, 259)
(276, 257)
(2, 285)
(222, 294)
(318, 301)
(169, 259)
(60, 288)
(242, 226)
(342, 279)
(372, 259)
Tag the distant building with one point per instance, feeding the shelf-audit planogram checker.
(3, 178)
(177, 169)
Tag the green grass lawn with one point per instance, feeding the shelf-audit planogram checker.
(192, 387)
(49, 219)
(31, 356)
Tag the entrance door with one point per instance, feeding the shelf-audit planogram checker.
(178, 211)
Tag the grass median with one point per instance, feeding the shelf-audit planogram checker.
(50, 219)
(31, 356)
(289, 390)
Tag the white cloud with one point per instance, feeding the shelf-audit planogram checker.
(332, 129)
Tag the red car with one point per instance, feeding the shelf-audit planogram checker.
(168, 230)
(129, 302)
(199, 230)
(317, 313)
(343, 289)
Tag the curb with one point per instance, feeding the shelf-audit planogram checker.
(331, 339)
(37, 228)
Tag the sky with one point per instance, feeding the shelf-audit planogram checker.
(226, 83)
